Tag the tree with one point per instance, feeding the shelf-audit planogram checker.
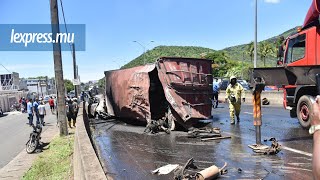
(101, 82)
(69, 85)
(220, 59)
(265, 49)
(250, 50)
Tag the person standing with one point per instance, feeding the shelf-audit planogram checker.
(36, 109)
(24, 105)
(42, 112)
(30, 112)
(51, 104)
(216, 91)
(70, 112)
(75, 107)
(234, 94)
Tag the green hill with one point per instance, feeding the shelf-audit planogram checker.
(238, 52)
(176, 51)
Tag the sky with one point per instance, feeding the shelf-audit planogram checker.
(113, 25)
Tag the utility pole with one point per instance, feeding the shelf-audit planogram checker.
(255, 33)
(78, 77)
(74, 70)
(58, 69)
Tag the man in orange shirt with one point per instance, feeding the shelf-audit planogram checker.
(51, 103)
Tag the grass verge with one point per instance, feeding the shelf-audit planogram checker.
(54, 162)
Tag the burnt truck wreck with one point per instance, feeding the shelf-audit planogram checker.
(176, 91)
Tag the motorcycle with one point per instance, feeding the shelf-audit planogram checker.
(34, 139)
(15, 107)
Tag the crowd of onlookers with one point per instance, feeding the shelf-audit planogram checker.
(36, 108)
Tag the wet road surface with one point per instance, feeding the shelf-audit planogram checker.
(127, 153)
(14, 133)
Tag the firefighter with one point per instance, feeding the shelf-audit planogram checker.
(234, 94)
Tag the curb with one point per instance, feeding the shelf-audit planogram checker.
(85, 161)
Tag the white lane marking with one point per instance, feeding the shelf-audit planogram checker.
(247, 113)
(297, 151)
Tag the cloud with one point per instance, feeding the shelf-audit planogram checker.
(272, 1)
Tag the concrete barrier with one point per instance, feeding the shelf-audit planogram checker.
(275, 97)
(85, 161)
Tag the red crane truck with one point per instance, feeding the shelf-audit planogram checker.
(299, 73)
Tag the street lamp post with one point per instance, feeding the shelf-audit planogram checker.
(144, 51)
(117, 63)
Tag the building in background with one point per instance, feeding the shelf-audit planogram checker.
(9, 81)
(40, 85)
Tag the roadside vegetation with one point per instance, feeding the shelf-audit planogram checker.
(54, 162)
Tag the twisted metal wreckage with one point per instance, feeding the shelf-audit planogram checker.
(169, 93)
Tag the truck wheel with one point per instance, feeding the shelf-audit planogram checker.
(304, 110)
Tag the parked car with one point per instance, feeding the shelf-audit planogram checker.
(244, 84)
(224, 84)
(46, 99)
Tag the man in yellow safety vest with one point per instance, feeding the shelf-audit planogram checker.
(234, 94)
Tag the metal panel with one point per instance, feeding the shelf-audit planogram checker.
(128, 91)
(290, 75)
(187, 84)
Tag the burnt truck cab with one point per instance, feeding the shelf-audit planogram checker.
(298, 70)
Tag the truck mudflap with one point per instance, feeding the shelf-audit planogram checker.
(289, 75)
(187, 84)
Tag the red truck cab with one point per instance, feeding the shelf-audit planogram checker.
(299, 73)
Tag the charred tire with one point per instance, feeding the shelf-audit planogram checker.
(304, 110)
(32, 144)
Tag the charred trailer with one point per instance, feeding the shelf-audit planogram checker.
(177, 90)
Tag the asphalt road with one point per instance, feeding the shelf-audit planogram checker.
(127, 153)
(14, 133)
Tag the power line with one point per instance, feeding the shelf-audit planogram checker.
(5, 68)
(65, 24)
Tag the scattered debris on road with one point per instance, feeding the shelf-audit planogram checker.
(215, 138)
(181, 173)
(211, 172)
(165, 169)
(275, 148)
(154, 126)
(204, 132)
(265, 101)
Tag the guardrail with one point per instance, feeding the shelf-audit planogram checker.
(85, 161)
